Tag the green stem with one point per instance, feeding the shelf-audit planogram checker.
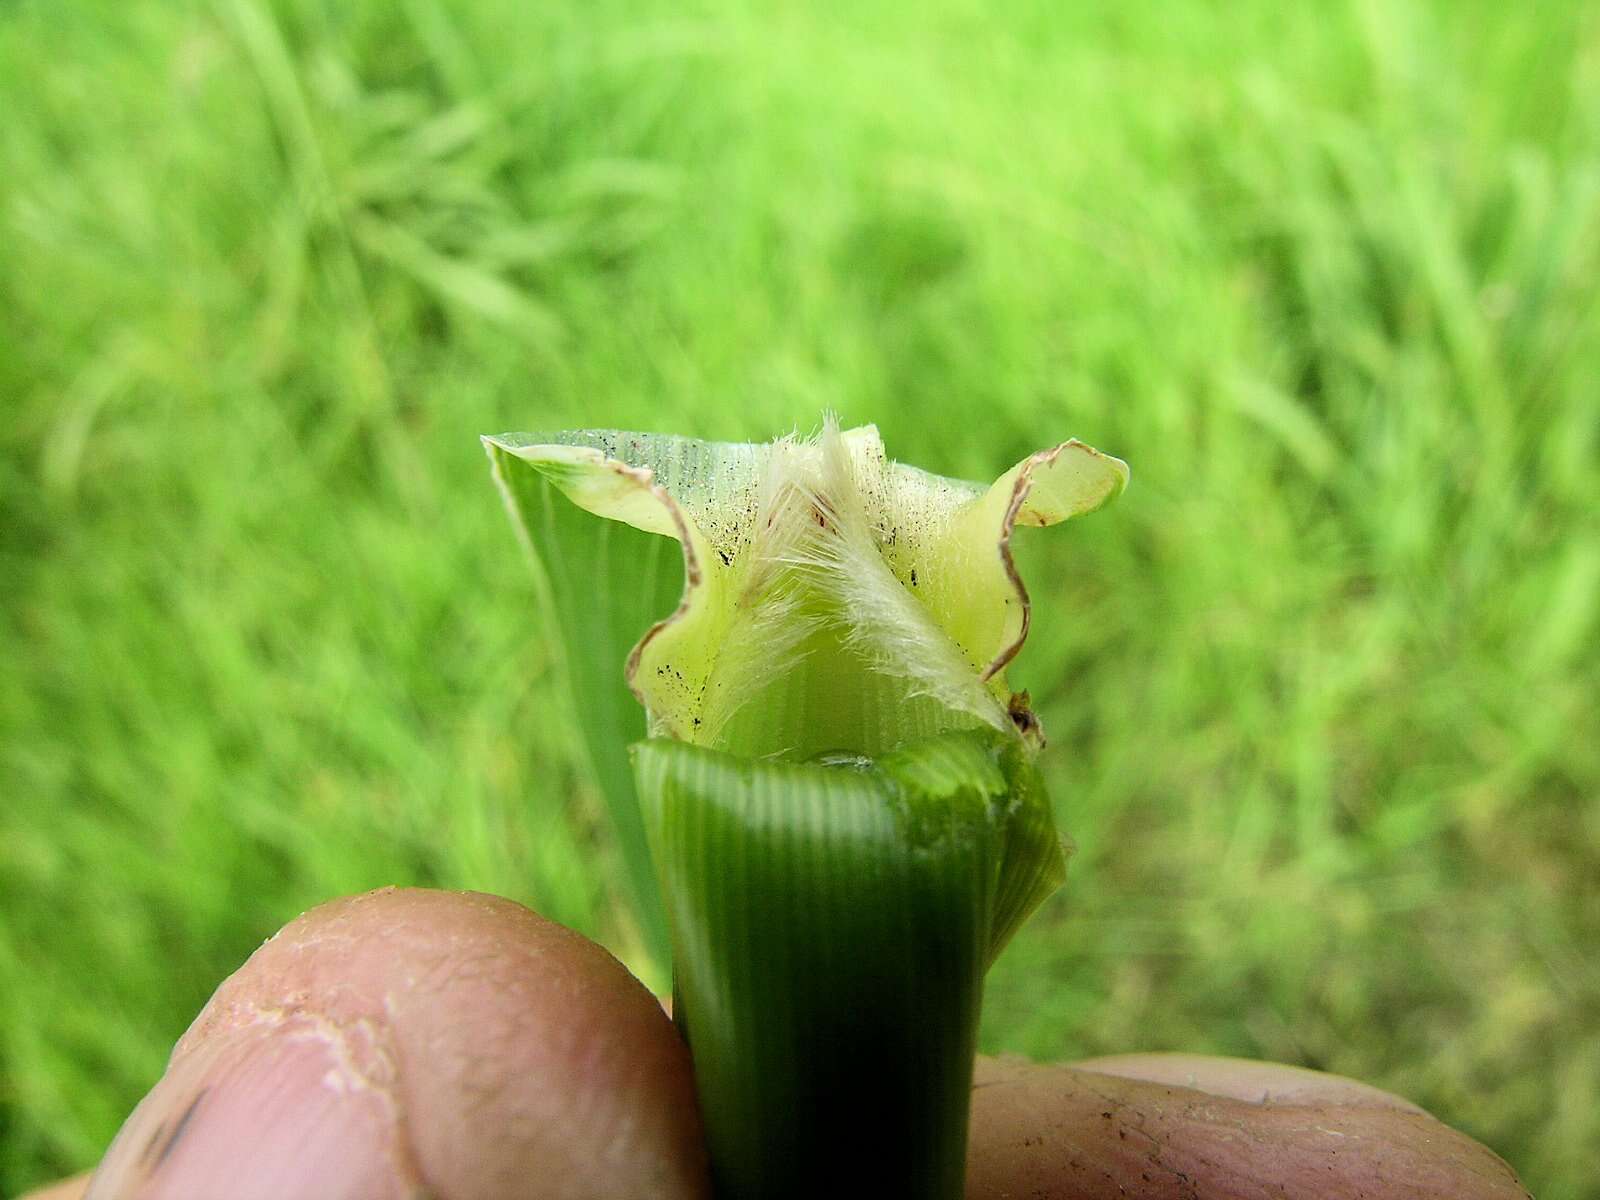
(831, 924)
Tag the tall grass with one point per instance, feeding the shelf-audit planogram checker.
(1322, 689)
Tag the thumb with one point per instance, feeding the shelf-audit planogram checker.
(1182, 1125)
(414, 1043)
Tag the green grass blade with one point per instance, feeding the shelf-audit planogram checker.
(602, 583)
(831, 926)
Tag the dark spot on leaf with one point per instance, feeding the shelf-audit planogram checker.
(1021, 713)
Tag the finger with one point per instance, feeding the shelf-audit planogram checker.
(410, 1043)
(1246, 1079)
(1171, 1126)
(67, 1189)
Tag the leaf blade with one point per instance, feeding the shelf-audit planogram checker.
(600, 584)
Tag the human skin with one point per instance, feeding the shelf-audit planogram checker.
(456, 1046)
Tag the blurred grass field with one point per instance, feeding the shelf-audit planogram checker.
(1322, 688)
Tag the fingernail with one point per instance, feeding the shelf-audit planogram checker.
(277, 1112)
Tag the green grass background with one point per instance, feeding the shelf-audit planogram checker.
(1322, 687)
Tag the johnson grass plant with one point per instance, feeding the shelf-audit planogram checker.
(838, 792)
(1319, 688)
